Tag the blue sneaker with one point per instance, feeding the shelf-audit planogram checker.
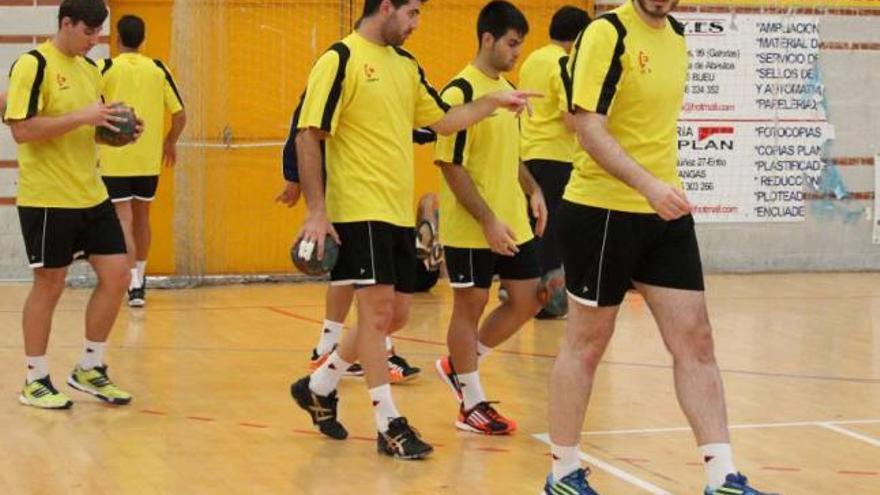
(573, 484)
(736, 484)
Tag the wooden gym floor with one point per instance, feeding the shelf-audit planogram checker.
(210, 370)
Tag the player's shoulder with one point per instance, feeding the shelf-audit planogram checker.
(460, 89)
(29, 61)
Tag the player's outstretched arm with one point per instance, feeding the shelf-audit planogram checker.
(463, 116)
(668, 201)
(40, 128)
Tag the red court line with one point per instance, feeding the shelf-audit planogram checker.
(781, 468)
(859, 473)
(493, 449)
(200, 418)
(253, 425)
(154, 413)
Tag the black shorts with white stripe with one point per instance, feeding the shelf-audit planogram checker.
(54, 237)
(477, 267)
(141, 187)
(605, 251)
(375, 253)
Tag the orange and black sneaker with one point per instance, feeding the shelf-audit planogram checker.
(483, 418)
(317, 360)
(400, 370)
(448, 375)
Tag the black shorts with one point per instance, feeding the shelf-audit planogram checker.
(605, 251)
(375, 253)
(54, 237)
(552, 176)
(477, 267)
(141, 188)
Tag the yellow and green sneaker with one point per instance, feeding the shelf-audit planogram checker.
(96, 382)
(41, 393)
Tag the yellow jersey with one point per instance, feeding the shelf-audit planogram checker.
(634, 74)
(147, 86)
(544, 135)
(369, 98)
(61, 172)
(489, 152)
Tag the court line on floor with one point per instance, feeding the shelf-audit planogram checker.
(606, 362)
(852, 434)
(745, 426)
(611, 469)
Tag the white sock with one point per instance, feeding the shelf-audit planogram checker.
(389, 345)
(37, 367)
(327, 376)
(135, 282)
(141, 271)
(566, 460)
(383, 406)
(718, 460)
(482, 351)
(92, 355)
(471, 389)
(330, 335)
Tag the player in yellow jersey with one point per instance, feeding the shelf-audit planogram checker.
(364, 97)
(625, 220)
(54, 104)
(131, 174)
(548, 140)
(485, 220)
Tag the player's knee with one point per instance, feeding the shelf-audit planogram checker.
(50, 283)
(588, 346)
(381, 316)
(116, 278)
(697, 345)
(400, 318)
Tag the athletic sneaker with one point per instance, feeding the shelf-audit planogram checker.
(483, 418)
(41, 393)
(137, 297)
(573, 484)
(402, 441)
(400, 370)
(735, 484)
(95, 381)
(316, 362)
(448, 375)
(321, 409)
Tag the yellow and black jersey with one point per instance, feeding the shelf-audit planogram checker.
(634, 74)
(489, 152)
(369, 98)
(147, 86)
(61, 172)
(544, 135)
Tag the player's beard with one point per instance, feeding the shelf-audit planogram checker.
(393, 34)
(649, 8)
(501, 62)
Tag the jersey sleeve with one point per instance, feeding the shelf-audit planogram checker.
(171, 95)
(453, 148)
(24, 99)
(596, 66)
(320, 106)
(561, 85)
(430, 108)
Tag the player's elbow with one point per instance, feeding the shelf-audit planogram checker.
(179, 119)
(20, 132)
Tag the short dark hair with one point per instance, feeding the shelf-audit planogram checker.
(131, 31)
(567, 23)
(372, 6)
(92, 12)
(499, 16)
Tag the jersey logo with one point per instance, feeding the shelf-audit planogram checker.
(62, 82)
(644, 62)
(370, 73)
